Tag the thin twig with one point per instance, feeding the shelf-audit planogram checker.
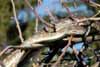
(36, 14)
(2, 52)
(96, 14)
(17, 22)
(60, 57)
(36, 24)
(77, 53)
(67, 9)
(51, 15)
(75, 4)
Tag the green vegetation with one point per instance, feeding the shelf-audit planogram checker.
(5, 18)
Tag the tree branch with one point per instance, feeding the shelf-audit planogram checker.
(63, 53)
(17, 22)
(36, 14)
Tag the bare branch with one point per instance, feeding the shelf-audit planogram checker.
(96, 14)
(36, 14)
(36, 24)
(63, 53)
(17, 22)
(2, 52)
(75, 3)
(95, 4)
(13, 59)
(51, 15)
(67, 9)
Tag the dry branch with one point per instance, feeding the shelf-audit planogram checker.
(63, 53)
(52, 17)
(17, 22)
(95, 4)
(13, 59)
(36, 24)
(37, 16)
